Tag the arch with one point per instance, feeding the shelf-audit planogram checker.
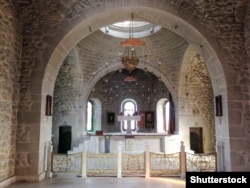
(188, 28)
(197, 113)
(72, 89)
(191, 34)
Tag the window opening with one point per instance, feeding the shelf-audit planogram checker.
(129, 108)
(89, 116)
(166, 115)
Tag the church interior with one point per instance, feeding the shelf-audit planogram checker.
(142, 75)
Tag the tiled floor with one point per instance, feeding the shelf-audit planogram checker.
(71, 181)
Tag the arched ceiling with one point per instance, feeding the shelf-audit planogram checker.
(164, 50)
(61, 25)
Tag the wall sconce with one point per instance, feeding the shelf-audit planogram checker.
(48, 108)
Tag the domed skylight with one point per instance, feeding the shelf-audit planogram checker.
(122, 29)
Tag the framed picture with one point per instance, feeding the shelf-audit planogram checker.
(141, 123)
(149, 120)
(48, 108)
(111, 118)
(218, 105)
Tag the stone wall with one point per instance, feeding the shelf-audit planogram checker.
(196, 104)
(10, 51)
(67, 103)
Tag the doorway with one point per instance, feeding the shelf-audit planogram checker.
(196, 141)
(65, 137)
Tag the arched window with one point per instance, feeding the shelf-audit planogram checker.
(89, 116)
(93, 115)
(163, 115)
(166, 115)
(128, 107)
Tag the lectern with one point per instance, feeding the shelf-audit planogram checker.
(128, 119)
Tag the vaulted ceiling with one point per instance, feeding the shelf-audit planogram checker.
(97, 49)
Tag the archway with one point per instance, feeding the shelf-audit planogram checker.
(190, 33)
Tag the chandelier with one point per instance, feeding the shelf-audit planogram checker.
(129, 58)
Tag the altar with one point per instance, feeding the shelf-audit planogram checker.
(134, 143)
(132, 140)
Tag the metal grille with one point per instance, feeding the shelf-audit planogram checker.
(201, 162)
(165, 164)
(67, 162)
(102, 164)
(133, 164)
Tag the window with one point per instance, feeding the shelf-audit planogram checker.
(93, 115)
(166, 115)
(89, 116)
(163, 107)
(129, 107)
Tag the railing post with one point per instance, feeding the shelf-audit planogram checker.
(219, 156)
(84, 159)
(50, 161)
(119, 160)
(147, 158)
(183, 160)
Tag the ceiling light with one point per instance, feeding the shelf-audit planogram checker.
(129, 58)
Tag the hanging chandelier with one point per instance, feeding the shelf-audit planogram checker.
(129, 58)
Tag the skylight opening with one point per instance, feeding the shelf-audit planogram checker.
(121, 29)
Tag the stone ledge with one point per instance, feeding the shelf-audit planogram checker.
(8, 181)
(31, 178)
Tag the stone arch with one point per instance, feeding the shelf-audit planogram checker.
(71, 88)
(180, 24)
(195, 96)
